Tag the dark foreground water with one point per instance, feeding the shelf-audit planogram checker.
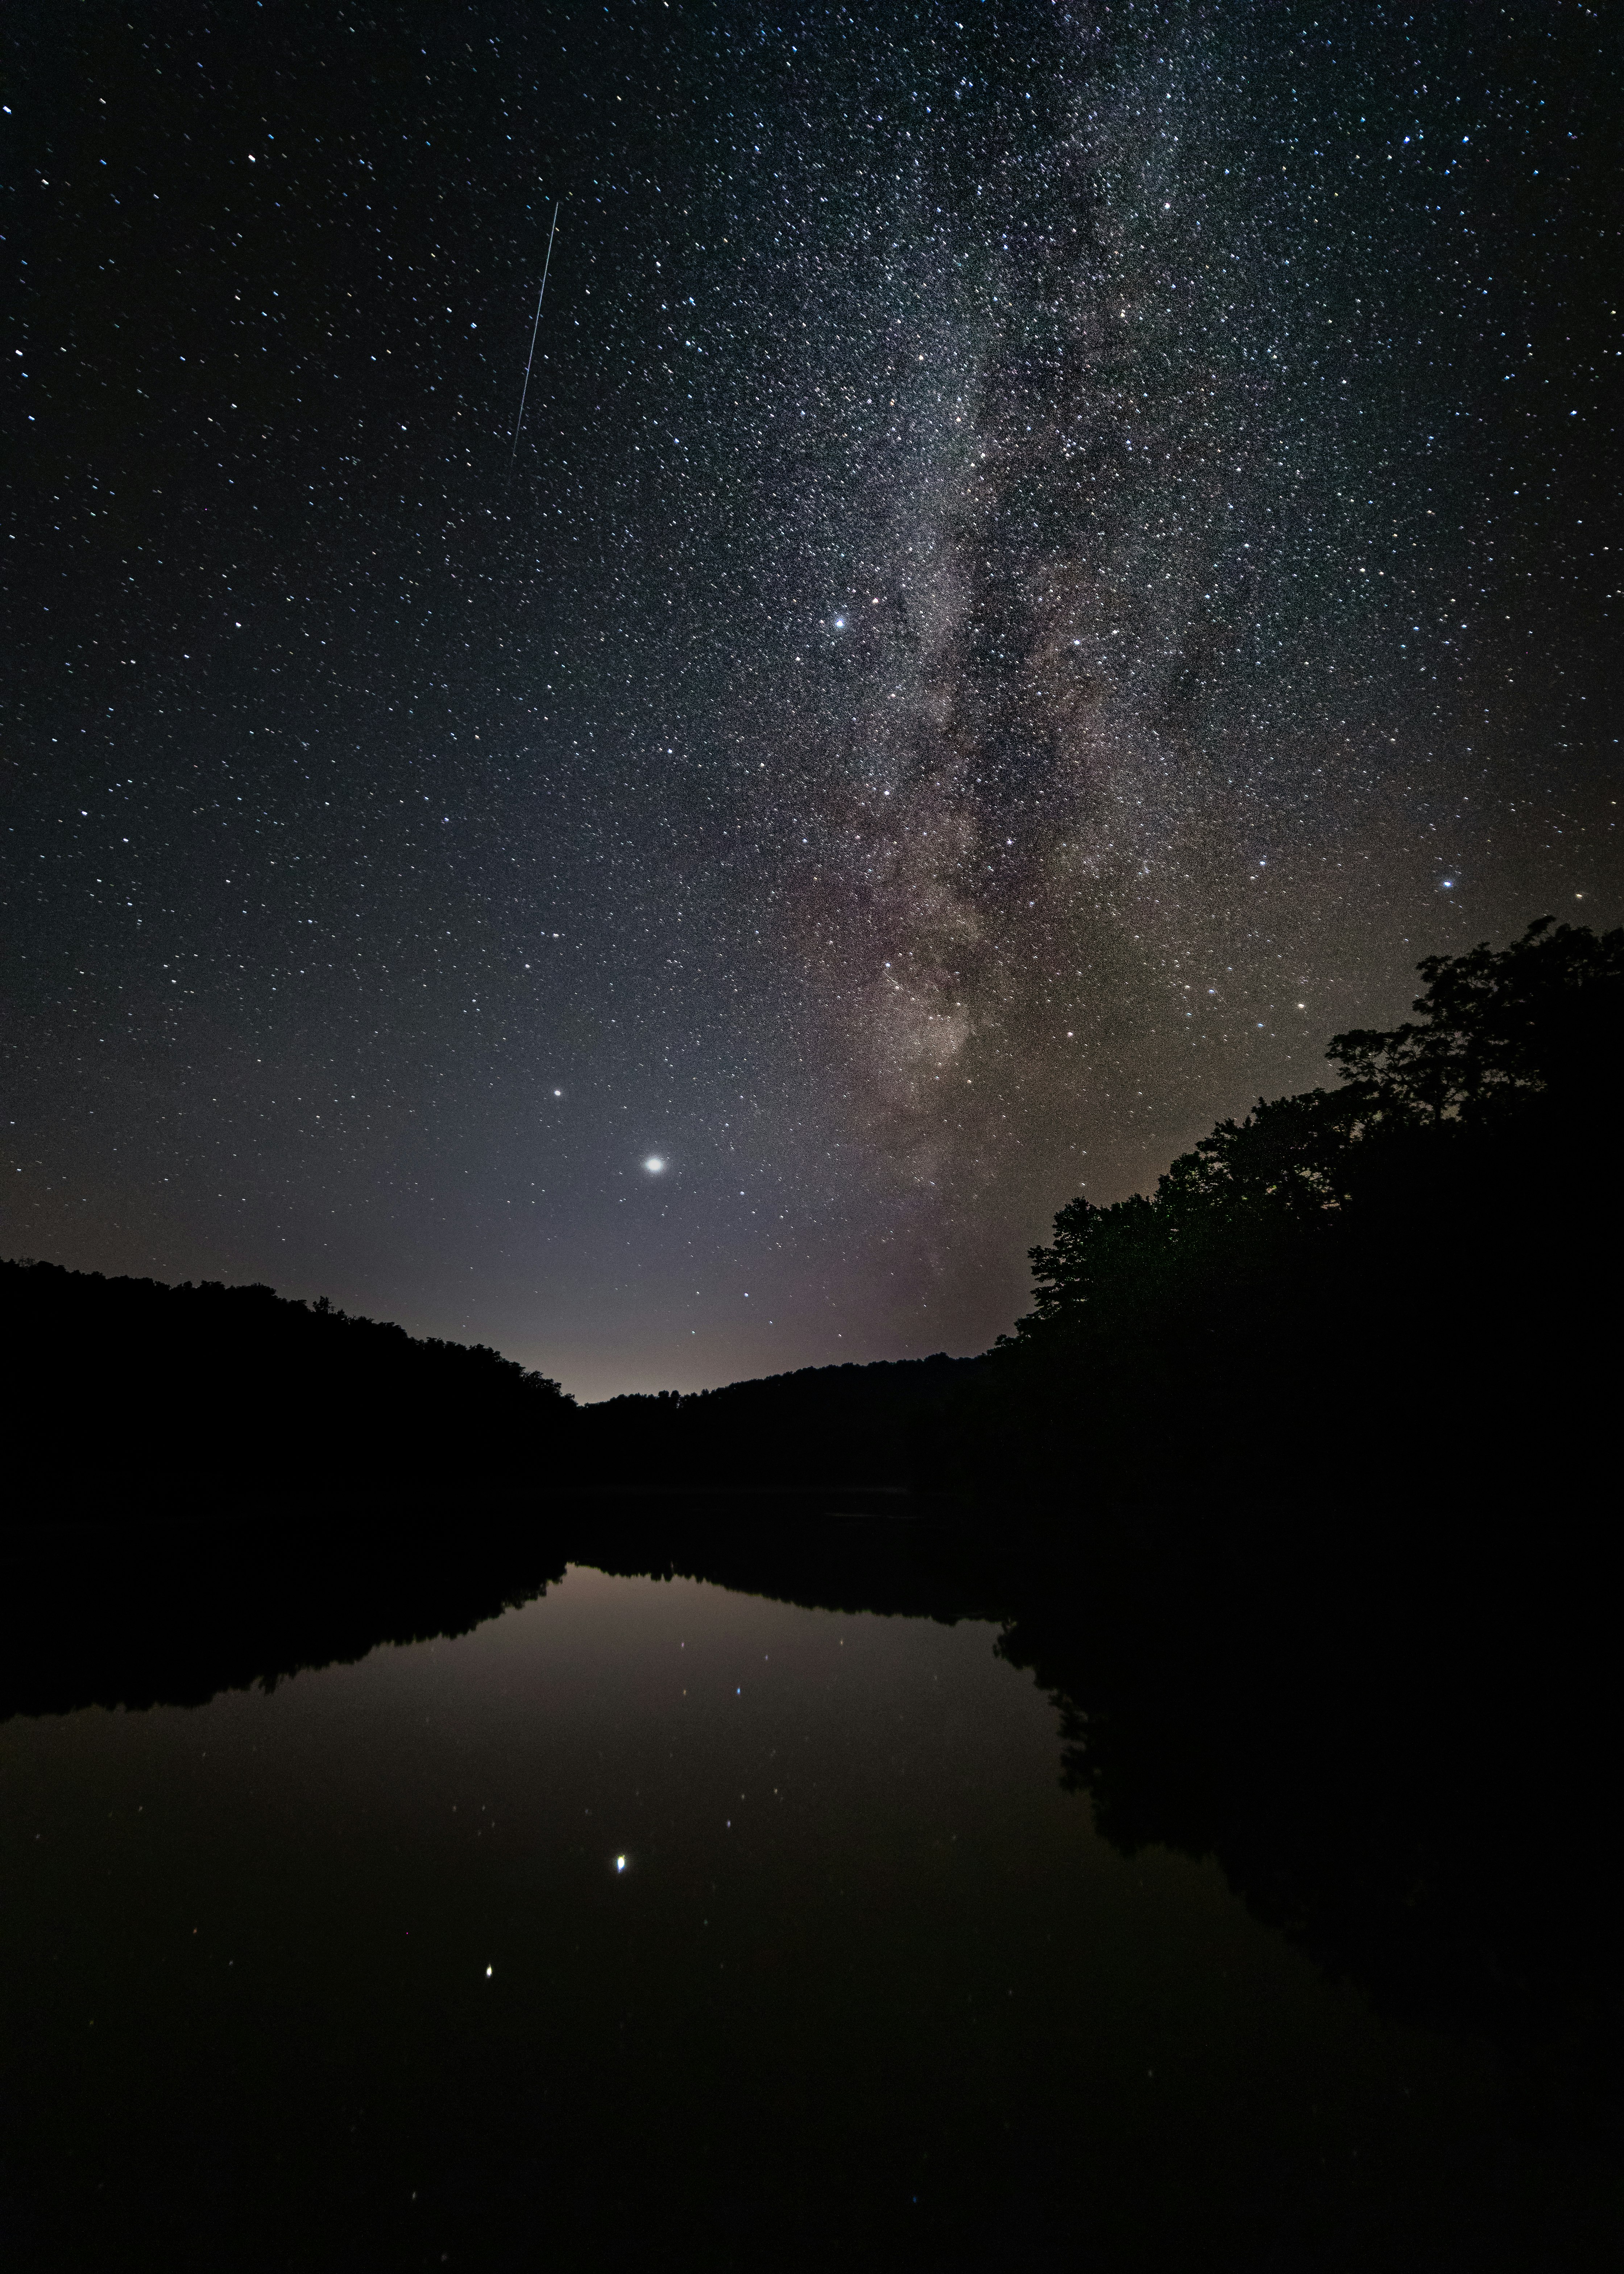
(652, 1924)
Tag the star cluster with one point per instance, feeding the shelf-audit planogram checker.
(1050, 556)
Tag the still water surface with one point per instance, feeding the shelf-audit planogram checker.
(652, 1924)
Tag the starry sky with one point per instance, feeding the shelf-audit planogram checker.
(1052, 553)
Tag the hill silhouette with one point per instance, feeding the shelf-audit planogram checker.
(150, 1392)
(821, 1426)
(227, 1394)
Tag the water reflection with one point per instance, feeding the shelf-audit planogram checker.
(651, 1918)
(1405, 1765)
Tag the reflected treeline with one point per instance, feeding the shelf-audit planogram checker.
(105, 1614)
(895, 1554)
(172, 1614)
(1400, 1744)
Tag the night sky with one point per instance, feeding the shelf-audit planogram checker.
(1051, 556)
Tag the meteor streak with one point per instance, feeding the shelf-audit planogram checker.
(535, 328)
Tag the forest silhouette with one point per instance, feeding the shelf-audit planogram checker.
(212, 1394)
(1395, 1292)
(1406, 1276)
(1294, 1488)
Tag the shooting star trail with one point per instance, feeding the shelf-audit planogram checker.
(535, 328)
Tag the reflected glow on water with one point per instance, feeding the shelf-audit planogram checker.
(650, 1909)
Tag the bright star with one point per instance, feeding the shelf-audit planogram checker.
(654, 1165)
(620, 1863)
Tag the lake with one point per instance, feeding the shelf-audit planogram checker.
(654, 1923)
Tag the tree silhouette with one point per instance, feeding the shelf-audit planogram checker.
(1540, 1017)
(1417, 1252)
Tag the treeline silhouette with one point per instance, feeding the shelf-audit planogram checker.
(1396, 1289)
(1401, 1292)
(1320, 1446)
(226, 1394)
(152, 1392)
(823, 1427)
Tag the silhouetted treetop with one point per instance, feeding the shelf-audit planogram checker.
(1498, 1032)
(1545, 1013)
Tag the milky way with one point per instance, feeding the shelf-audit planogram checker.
(1051, 558)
